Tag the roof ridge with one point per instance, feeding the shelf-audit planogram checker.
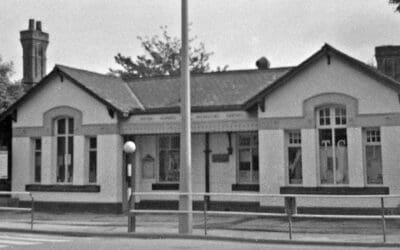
(238, 71)
(87, 71)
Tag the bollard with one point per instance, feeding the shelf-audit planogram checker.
(131, 223)
(383, 219)
(32, 210)
(290, 209)
(205, 203)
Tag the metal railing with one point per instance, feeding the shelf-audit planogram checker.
(290, 212)
(25, 209)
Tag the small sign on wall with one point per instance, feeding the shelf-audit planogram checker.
(148, 167)
(3, 164)
(220, 158)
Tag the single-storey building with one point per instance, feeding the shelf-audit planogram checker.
(330, 125)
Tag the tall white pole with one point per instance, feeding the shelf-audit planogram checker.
(185, 176)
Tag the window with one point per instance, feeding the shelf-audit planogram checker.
(332, 133)
(92, 159)
(373, 155)
(294, 157)
(248, 158)
(37, 154)
(64, 129)
(168, 155)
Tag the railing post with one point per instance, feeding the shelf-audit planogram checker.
(131, 217)
(290, 209)
(205, 203)
(32, 210)
(383, 219)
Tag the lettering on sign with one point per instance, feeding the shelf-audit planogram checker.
(220, 158)
(169, 117)
(148, 118)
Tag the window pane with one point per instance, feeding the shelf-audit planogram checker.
(38, 166)
(70, 158)
(254, 159)
(295, 166)
(38, 144)
(341, 156)
(93, 142)
(163, 165)
(164, 142)
(374, 164)
(70, 126)
(175, 142)
(173, 171)
(244, 140)
(325, 155)
(92, 166)
(340, 115)
(60, 159)
(61, 126)
(244, 159)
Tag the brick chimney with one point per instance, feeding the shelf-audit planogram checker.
(34, 45)
(388, 60)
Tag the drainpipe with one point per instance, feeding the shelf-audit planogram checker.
(207, 152)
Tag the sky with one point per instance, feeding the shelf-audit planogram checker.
(88, 33)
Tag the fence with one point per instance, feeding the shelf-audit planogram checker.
(290, 208)
(31, 209)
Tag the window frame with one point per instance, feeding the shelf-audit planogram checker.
(67, 135)
(159, 149)
(365, 143)
(35, 150)
(332, 126)
(289, 144)
(90, 150)
(253, 146)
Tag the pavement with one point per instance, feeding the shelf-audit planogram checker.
(227, 228)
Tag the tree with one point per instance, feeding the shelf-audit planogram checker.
(9, 91)
(395, 2)
(162, 57)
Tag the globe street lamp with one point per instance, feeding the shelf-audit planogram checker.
(129, 149)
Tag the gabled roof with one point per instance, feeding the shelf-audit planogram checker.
(109, 90)
(216, 91)
(114, 91)
(209, 91)
(326, 51)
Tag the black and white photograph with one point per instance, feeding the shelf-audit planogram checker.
(199, 124)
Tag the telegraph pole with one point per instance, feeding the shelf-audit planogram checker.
(185, 176)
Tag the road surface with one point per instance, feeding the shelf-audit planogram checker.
(42, 242)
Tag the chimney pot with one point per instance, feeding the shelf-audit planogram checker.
(262, 63)
(39, 25)
(31, 24)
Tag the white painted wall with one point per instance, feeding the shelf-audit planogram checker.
(338, 77)
(109, 171)
(287, 101)
(272, 164)
(57, 93)
(109, 154)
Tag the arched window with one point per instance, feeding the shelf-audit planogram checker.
(64, 130)
(332, 138)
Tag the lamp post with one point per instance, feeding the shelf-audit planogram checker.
(129, 149)
(185, 176)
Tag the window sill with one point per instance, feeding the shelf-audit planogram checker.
(165, 186)
(335, 190)
(63, 188)
(246, 187)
